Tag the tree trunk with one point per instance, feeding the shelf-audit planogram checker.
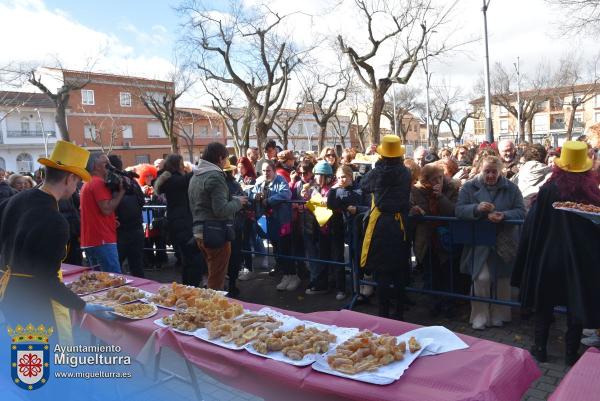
(361, 140)
(375, 117)
(174, 144)
(434, 139)
(522, 130)
(569, 131)
(530, 130)
(284, 142)
(322, 136)
(262, 130)
(190, 146)
(61, 122)
(342, 141)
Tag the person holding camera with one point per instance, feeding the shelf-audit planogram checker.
(98, 219)
(130, 231)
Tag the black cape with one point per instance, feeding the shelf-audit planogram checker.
(33, 239)
(558, 261)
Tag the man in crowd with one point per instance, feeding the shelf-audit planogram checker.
(270, 154)
(5, 190)
(98, 219)
(419, 156)
(508, 154)
(252, 154)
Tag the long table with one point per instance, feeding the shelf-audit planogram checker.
(485, 371)
(581, 383)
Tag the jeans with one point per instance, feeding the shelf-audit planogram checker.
(106, 256)
(130, 244)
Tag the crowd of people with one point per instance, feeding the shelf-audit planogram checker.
(320, 212)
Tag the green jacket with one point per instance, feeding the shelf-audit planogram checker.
(209, 196)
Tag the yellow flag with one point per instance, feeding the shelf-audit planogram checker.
(322, 214)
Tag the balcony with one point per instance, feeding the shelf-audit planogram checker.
(557, 125)
(29, 134)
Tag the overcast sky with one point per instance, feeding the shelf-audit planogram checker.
(138, 38)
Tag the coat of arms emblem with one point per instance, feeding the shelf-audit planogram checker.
(30, 355)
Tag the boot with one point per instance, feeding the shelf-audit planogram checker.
(539, 353)
(572, 341)
(540, 337)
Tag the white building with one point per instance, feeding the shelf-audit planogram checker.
(27, 130)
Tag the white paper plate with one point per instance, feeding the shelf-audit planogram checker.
(150, 314)
(202, 334)
(443, 340)
(160, 323)
(174, 308)
(385, 374)
(100, 299)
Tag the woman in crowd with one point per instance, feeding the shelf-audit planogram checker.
(449, 166)
(558, 253)
(444, 153)
(533, 173)
(329, 155)
(28, 182)
(173, 183)
(246, 177)
(326, 248)
(285, 164)
(348, 155)
(346, 201)
(270, 197)
(212, 205)
(17, 182)
(490, 197)
(235, 260)
(550, 156)
(415, 170)
(435, 195)
(385, 249)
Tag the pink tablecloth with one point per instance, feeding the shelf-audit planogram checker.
(69, 270)
(582, 382)
(485, 371)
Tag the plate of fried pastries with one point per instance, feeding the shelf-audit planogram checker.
(118, 296)
(372, 358)
(136, 311)
(92, 281)
(589, 212)
(177, 296)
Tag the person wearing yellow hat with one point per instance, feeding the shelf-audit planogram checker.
(33, 241)
(557, 258)
(385, 249)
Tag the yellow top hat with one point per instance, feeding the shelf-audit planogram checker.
(68, 157)
(574, 157)
(228, 166)
(391, 146)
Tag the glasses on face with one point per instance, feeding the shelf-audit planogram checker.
(304, 173)
(462, 153)
(330, 155)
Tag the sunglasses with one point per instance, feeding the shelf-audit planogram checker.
(303, 173)
(330, 155)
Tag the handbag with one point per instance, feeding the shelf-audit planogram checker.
(215, 233)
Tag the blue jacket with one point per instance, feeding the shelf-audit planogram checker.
(279, 209)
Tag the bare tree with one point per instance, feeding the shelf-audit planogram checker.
(578, 82)
(457, 122)
(60, 98)
(12, 102)
(186, 126)
(407, 33)
(160, 101)
(237, 116)
(245, 49)
(104, 131)
(284, 122)
(440, 109)
(407, 105)
(578, 16)
(342, 128)
(324, 94)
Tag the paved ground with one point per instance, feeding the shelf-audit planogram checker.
(518, 333)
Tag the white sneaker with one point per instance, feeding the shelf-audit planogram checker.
(591, 332)
(591, 341)
(293, 283)
(340, 295)
(246, 275)
(284, 282)
(366, 290)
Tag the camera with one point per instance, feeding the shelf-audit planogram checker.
(114, 177)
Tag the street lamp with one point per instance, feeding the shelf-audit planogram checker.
(518, 98)
(488, 106)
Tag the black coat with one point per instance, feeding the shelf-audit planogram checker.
(390, 184)
(6, 191)
(175, 187)
(33, 240)
(558, 260)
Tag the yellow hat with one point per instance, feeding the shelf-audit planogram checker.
(228, 166)
(391, 146)
(574, 157)
(68, 157)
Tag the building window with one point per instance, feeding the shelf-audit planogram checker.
(89, 131)
(597, 118)
(215, 132)
(155, 130)
(24, 163)
(540, 123)
(87, 97)
(25, 124)
(2, 163)
(504, 126)
(503, 112)
(125, 98)
(597, 100)
(127, 131)
(203, 131)
(142, 159)
(579, 117)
